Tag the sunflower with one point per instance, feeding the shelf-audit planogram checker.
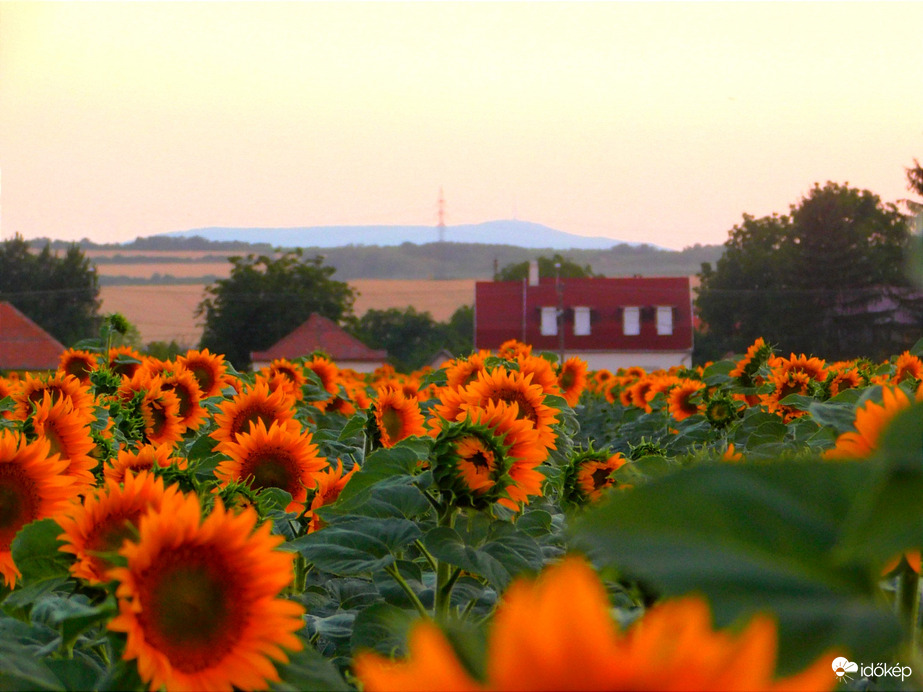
(721, 410)
(598, 379)
(911, 557)
(254, 404)
(501, 384)
(291, 373)
(784, 383)
(186, 387)
(145, 459)
(542, 372)
(907, 366)
(32, 486)
(160, 408)
(209, 369)
(572, 379)
(556, 633)
(489, 454)
(327, 372)
(200, 599)
(679, 400)
(730, 454)
(78, 363)
(844, 378)
(815, 368)
(330, 483)
(461, 372)
(589, 475)
(512, 348)
(60, 385)
(274, 457)
(105, 519)
(397, 416)
(69, 435)
(125, 360)
(871, 419)
(747, 367)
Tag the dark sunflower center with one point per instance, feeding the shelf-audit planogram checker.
(18, 503)
(479, 461)
(204, 377)
(526, 410)
(601, 478)
(392, 423)
(270, 470)
(567, 379)
(251, 416)
(191, 610)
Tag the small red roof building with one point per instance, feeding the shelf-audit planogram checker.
(23, 344)
(608, 322)
(322, 334)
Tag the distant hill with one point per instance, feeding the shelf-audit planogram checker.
(509, 232)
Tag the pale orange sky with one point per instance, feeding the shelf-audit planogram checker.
(656, 122)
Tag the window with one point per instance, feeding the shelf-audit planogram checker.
(549, 325)
(631, 321)
(581, 321)
(664, 320)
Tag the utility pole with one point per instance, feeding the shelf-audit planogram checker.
(559, 288)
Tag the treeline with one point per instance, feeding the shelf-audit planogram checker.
(439, 260)
(159, 243)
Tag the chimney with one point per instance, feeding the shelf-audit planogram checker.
(533, 273)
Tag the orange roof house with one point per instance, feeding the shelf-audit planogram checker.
(23, 344)
(322, 334)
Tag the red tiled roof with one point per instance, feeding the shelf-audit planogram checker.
(23, 344)
(320, 334)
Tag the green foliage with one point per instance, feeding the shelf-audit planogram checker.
(548, 267)
(265, 298)
(412, 338)
(59, 292)
(828, 278)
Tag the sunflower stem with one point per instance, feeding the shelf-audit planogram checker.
(909, 600)
(444, 578)
(301, 573)
(398, 577)
(426, 554)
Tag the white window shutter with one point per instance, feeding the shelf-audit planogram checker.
(631, 321)
(664, 320)
(549, 325)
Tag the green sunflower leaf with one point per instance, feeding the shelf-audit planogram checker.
(36, 551)
(308, 670)
(356, 545)
(755, 537)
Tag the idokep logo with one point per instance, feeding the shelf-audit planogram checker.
(843, 666)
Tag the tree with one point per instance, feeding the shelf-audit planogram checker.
(546, 267)
(60, 293)
(265, 298)
(412, 338)
(828, 278)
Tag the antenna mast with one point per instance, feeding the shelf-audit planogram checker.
(441, 216)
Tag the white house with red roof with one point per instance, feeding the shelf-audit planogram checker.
(319, 333)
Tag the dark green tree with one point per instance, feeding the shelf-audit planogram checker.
(829, 278)
(546, 268)
(59, 292)
(265, 298)
(412, 338)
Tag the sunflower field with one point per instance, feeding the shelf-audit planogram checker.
(507, 521)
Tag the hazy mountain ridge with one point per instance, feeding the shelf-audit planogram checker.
(505, 232)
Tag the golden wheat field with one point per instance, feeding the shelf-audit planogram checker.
(167, 313)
